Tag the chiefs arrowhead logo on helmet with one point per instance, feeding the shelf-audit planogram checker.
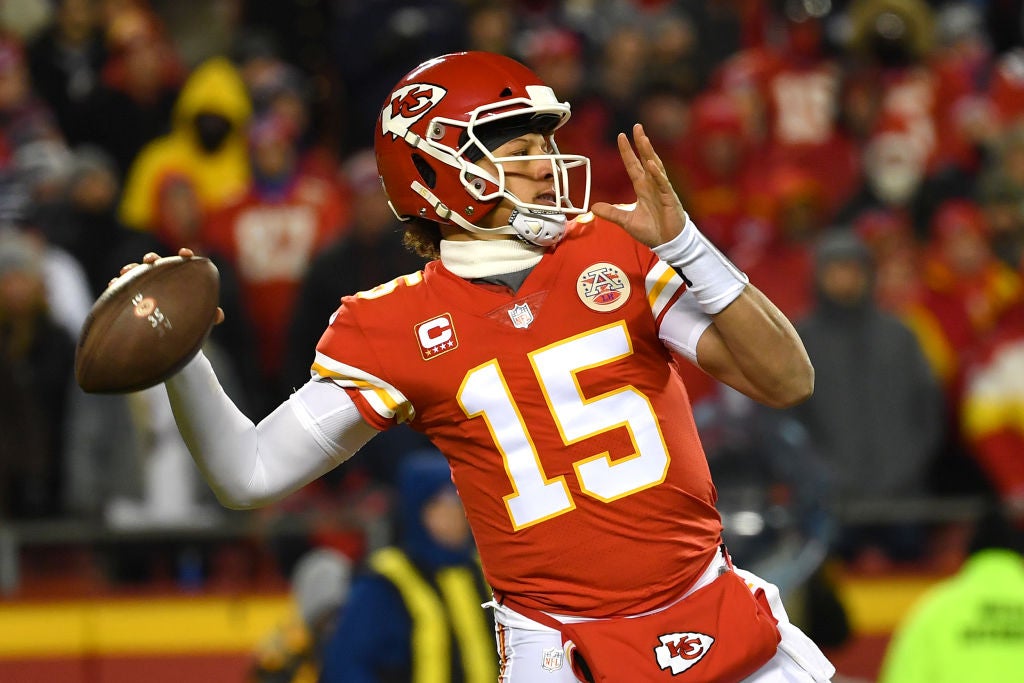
(439, 128)
(408, 105)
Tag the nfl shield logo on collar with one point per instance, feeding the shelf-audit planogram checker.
(553, 657)
(521, 316)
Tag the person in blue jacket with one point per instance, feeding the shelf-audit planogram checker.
(414, 614)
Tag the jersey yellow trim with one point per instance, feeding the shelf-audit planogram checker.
(660, 284)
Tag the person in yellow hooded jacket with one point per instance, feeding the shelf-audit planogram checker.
(205, 148)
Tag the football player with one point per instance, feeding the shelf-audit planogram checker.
(537, 351)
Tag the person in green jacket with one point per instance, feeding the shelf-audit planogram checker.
(970, 627)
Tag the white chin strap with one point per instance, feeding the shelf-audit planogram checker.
(542, 228)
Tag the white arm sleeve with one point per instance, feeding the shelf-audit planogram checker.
(683, 324)
(248, 465)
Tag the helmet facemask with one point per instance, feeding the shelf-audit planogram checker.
(488, 128)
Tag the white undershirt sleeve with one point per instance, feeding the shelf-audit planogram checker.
(683, 324)
(248, 465)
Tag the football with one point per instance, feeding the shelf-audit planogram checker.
(147, 325)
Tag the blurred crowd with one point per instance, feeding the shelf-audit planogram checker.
(862, 161)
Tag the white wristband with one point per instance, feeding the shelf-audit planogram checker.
(713, 279)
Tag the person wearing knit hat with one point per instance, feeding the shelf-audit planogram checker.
(406, 617)
(879, 444)
(18, 253)
(320, 586)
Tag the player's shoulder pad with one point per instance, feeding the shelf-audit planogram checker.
(397, 286)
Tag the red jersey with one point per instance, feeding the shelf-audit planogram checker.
(566, 426)
(992, 420)
(271, 242)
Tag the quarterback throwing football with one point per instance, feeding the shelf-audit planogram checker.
(537, 351)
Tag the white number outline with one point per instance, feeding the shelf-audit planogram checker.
(532, 480)
(574, 416)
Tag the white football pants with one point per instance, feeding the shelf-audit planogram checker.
(530, 652)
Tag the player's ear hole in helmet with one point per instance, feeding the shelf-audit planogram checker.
(426, 171)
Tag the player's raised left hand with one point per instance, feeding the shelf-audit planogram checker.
(658, 215)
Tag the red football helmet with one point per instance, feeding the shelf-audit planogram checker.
(452, 111)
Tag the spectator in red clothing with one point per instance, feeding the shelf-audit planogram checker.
(962, 63)
(940, 323)
(960, 264)
(1006, 86)
(803, 108)
(890, 42)
(780, 260)
(992, 421)
(271, 234)
(716, 175)
(793, 91)
(890, 237)
(965, 290)
(743, 75)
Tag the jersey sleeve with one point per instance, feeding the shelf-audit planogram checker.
(679, 319)
(346, 357)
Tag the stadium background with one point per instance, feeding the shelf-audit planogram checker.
(88, 596)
